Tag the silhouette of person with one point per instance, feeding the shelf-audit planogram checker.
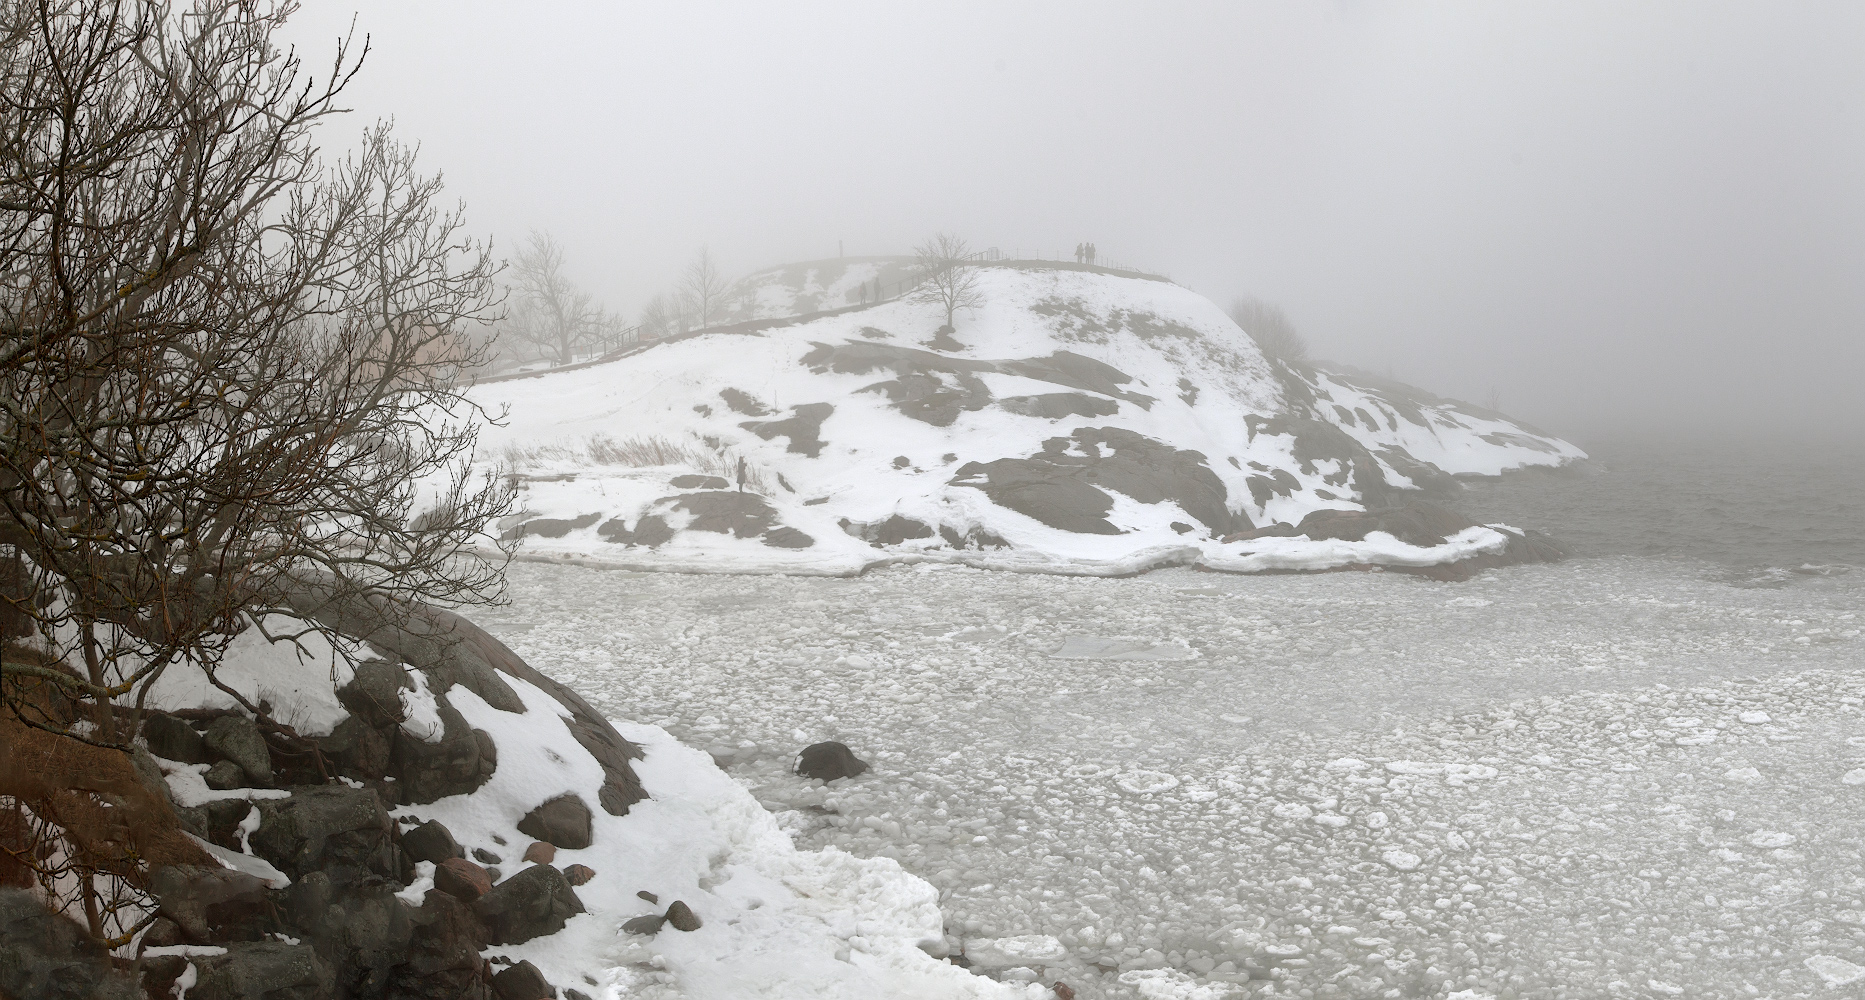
(741, 474)
(1090, 253)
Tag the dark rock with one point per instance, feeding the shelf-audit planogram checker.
(374, 693)
(363, 931)
(162, 933)
(649, 925)
(46, 957)
(486, 857)
(829, 761)
(225, 775)
(698, 483)
(358, 750)
(456, 765)
(494, 874)
(682, 917)
(461, 878)
(786, 537)
(1060, 405)
(570, 994)
(341, 831)
(1062, 490)
(650, 897)
(943, 339)
(563, 821)
(498, 840)
(431, 841)
(442, 959)
(579, 874)
(199, 899)
(522, 982)
(1062, 990)
(236, 738)
(273, 970)
(532, 903)
(172, 739)
(803, 427)
(541, 852)
(615, 530)
(652, 530)
(894, 530)
(550, 527)
(741, 402)
(745, 515)
(1181, 527)
(159, 972)
(902, 461)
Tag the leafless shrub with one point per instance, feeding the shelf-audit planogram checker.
(948, 274)
(1269, 326)
(642, 452)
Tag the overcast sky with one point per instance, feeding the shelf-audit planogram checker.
(1612, 214)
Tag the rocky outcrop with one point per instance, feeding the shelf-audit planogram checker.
(562, 822)
(274, 970)
(530, 904)
(338, 830)
(47, 957)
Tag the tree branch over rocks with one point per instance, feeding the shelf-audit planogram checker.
(225, 366)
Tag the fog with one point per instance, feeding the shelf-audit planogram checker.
(1609, 216)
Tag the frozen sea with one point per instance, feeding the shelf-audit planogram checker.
(1637, 773)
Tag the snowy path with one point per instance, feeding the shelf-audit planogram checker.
(1171, 797)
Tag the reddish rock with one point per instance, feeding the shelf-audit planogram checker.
(579, 874)
(541, 853)
(1063, 991)
(462, 879)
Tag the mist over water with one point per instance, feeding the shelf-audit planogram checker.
(1758, 510)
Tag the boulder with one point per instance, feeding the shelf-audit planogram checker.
(522, 982)
(236, 738)
(273, 970)
(363, 931)
(579, 874)
(225, 775)
(486, 857)
(374, 693)
(682, 917)
(358, 750)
(462, 879)
(342, 831)
(199, 899)
(530, 904)
(462, 760)
(442, 959)
(172, 739)
(430, 842)
(829, 761)
(695, 482)
(541, 852)
(563, 821)
(647, 924)
(46, 957)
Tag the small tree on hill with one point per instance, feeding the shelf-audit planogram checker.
(948, 276)
(1269, 326)
(703, 288)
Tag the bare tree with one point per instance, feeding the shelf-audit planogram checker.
(703, 288)
(948, 275)
(550, 314)
(1269, 326)
(659, 318)
(230, 379)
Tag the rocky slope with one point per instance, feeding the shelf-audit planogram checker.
(1077, 421)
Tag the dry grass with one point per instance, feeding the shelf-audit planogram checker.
(709, 457)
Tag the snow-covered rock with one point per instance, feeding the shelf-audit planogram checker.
(1077, 421)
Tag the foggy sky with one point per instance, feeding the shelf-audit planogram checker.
(1615, 215)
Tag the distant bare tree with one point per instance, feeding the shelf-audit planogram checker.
(1269, 326)
(549, 313)
(703, 288)
(948, 276)
(659, 318)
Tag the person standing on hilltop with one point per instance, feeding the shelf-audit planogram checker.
(1091, 255)
(1080, 252)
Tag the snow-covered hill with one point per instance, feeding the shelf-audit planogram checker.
(1077, 421)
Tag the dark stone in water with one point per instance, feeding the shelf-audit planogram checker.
(829, 761)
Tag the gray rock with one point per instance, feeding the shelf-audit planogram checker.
(363, 931)
(551, 527)
(745, 515)
(1060, 405)
(47, 957)
(430, 842)
(236, 738)
(530, 904)
(648, 925)
(442, 959)
(374, 693)
(785, 537)
(522, 982)
(563, 821)
(682, 917)
(199, 898)
(459, 763)
(486, 857)
(172, 739)
(272, 970)
(699, 482)
(803, 428)
(225, 775)
(829, 761)
(358, 750)
(341, 831)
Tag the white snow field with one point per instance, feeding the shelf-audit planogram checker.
(1080, 422)
(1612, 778)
